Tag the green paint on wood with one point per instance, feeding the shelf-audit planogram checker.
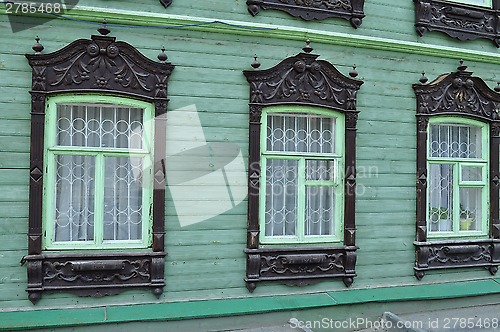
(240, 306)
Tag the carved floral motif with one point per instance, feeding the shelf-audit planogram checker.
(64, 271)
(461, 21)
(464, 254)
(351, 10)
(288, 264)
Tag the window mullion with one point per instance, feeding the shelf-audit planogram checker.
(99, 200)
(301, 199)
(456, 198)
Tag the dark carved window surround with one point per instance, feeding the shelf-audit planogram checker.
(301, 80)
(166, 3)
(96, 65)
(458, 20)
(457, 94)
(351, 10)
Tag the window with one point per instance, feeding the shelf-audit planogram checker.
(351, 10)
(458, 176)
(97, 175)
(484, 3)
(461, 19)
(302, 135)
(302, 153)
(99, 187)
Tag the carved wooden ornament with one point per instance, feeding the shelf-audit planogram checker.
(351, 10)
(458, 20)
(464, 95)
(301, 80)
(98, 65)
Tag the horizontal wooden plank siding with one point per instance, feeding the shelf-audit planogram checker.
(206, 259)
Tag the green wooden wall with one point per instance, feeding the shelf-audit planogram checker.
(206, 260)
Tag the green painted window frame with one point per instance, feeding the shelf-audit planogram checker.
(338, 183)
(52, 150)
(486, 3)
(457, 179)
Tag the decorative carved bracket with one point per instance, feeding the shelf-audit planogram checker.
(351, 10)
(457, 20)
(301, 80)
(102, 65)
(459, 94)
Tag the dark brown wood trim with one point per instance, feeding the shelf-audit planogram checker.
(290, 83)
(76, 69)
(351, 10)
(456, 94)
(458, 20)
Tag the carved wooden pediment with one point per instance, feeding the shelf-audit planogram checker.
(100, 64)
(303, 79)
(457, 20)
(351, 10)
(458, 93)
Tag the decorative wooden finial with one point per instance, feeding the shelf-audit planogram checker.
(255, 64)
(423, 79)
(353, 73)
(103, 29)
(307, 48)
(162, 56)
(37, 47)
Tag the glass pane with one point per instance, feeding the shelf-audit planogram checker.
(281, 197)
(440, 198)
(74, 198)
(470, 209)
(300, 133)
(320, 210)
(472, 173)
(123, 198)
(94, 125)
(455, 141)
(320, 170)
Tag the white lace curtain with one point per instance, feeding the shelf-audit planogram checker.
(77, 172)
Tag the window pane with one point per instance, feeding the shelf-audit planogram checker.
(472, 173)
(440, 198)
(470, 209)
(455, 141)
(93, 125)
(281, 197)
(320, 210)
(320, 170)
(300, 133)
(74, 198)
(123, 198)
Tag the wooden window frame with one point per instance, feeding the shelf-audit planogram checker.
(458, 20)
(457, 95)
(351, 10)
(458, 183)
(52, 150)
(337, 157)
(289, 83)
(84, 67)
